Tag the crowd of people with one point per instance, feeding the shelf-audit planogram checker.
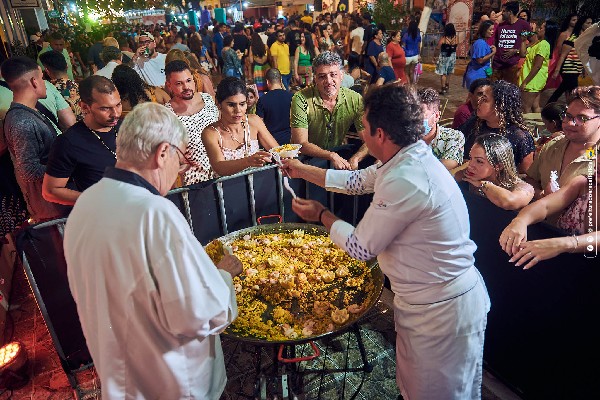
(143, 111)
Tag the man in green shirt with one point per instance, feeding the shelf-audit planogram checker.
(322, 114)
(57, 43)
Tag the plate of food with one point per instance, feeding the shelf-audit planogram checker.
(287, 150)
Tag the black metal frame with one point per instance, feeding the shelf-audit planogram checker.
(70, 363)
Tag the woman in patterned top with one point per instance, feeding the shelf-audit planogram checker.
(492, 173)
(233, 142)
(572, 200)
(568, 64)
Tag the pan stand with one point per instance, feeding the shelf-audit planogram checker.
(282, 377)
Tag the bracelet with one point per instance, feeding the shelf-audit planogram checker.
(321, 214)
(482, 187)
(576, 243)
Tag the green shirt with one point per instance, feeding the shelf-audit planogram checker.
(326, 129)
(65, 54)
(542, 48)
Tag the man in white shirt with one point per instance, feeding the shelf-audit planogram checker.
(356, 38)
(112, 56)
(150, 300)
(149, 63)
(418, 228)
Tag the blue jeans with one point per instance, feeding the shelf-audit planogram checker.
(286, 80)
(232, 72)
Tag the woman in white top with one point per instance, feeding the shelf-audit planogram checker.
(233, 142)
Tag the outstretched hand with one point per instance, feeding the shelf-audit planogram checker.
(308, 210)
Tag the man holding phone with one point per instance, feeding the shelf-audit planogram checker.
(147, 62)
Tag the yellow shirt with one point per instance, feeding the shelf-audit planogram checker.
(281, 52)
(307, 19)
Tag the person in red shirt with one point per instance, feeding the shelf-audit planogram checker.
(397, 56)
(508, 42)
(464, 111)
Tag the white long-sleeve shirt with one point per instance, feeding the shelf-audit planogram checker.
(417, 224)
(150, 301)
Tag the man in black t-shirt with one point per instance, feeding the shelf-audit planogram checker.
(79, 156)
(275, 103)
(241, 43)
(292, 38)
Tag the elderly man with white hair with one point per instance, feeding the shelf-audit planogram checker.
(150, 300)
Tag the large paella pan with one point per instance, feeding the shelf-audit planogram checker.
(296, 285)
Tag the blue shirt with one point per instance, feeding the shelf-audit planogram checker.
(271, 107)
(218, 40)
(411, 46)
(387, 73)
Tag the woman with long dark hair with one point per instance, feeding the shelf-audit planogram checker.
(326, 37)
(500, 111)
(133, 90)
(569, 65)
(374, 48)
(566, 29)
(446, 61)
(481, 55)
(233, 142)
(305, 54)
(411, 41)
(259, 54)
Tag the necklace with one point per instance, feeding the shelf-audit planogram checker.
(231, 134)
(102, 141)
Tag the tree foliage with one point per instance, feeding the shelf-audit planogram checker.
(389, 14)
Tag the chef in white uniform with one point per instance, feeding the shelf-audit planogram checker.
(418, 228)
(150, 301)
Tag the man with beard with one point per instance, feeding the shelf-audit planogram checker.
(196, 111)
(148, 63)
(322, 114)
(84, 151)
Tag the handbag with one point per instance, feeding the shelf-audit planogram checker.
(417, 72)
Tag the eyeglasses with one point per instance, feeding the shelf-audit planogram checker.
(144, 42)
(184, 164)
(578, 120)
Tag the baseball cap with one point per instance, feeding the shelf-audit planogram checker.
(151, 36)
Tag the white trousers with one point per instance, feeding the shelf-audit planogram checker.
(439, 347)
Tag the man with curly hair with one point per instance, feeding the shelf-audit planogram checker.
(418, 227)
